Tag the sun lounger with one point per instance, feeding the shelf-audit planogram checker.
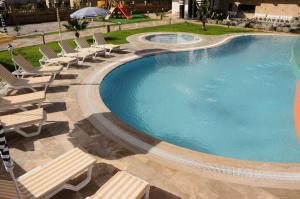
(17, 121)
(46, 180)
(83, 45)
(26, 68)
(15, 83)
(50, 57)
(68, 51)
(123, 185)
(99, 42)
(19, 101)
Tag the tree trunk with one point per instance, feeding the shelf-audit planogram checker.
(204, 25)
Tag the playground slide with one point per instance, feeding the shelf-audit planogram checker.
(110, 13)
(123, 10)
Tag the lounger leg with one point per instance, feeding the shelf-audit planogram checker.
(22, 108)
(23, 133)
(6, 91)
(83, 59)
(147, 193)
(46, 86)
(39, 105)
(74, 187)
(109, 51)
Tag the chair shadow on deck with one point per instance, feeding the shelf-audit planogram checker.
(105, 147)
(18, 171)
(102, 172)
(102, 143)
(67, 76)
(49, 129)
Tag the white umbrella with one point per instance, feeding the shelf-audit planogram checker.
(89, 12)
(7, 161)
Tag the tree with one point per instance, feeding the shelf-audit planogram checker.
(17, 28)
(76, 25)
(203, 9)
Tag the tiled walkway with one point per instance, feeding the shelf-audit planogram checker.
(70, 35)
(67, 128)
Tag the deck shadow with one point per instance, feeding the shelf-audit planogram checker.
(55, 107)
(96, 61)
(121, 51)
(49, 129)
(81, 66)
(18, 171)
(91, 135)
(66, 76)
(58, 89)
(152, 50)
(102, 172)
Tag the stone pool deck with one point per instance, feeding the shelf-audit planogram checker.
(68, 127)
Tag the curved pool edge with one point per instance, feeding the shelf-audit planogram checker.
(93, 108)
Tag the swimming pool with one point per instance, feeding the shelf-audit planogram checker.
(235, 101)
(171, 38)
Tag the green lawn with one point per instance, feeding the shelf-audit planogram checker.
(119, 37)
(136, 18)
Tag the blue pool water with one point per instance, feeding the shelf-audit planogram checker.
(235, 101)
(170, 38)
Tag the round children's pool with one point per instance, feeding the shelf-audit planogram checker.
(172, 38)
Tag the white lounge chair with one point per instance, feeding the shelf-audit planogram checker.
(26, 68)
(68, 51)
(82, 45)
(99, 42)
(17, 121)
(20, 101)
(123, 185)
(46, 180)
(15, 83)
(50, 57)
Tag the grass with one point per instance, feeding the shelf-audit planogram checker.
(136, 18)
(119, 37)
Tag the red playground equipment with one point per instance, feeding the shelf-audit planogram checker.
(114, 4)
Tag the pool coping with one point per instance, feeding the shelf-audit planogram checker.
(142, 38)
(101, 117)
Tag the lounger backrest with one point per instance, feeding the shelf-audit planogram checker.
(99, 39)
(65, 46)
(22, 62)
(48, 52)
(82, 43)
(7, 76)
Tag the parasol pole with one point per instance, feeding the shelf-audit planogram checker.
(7, 161)
(12, 175)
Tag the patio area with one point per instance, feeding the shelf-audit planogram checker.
(67, 127)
